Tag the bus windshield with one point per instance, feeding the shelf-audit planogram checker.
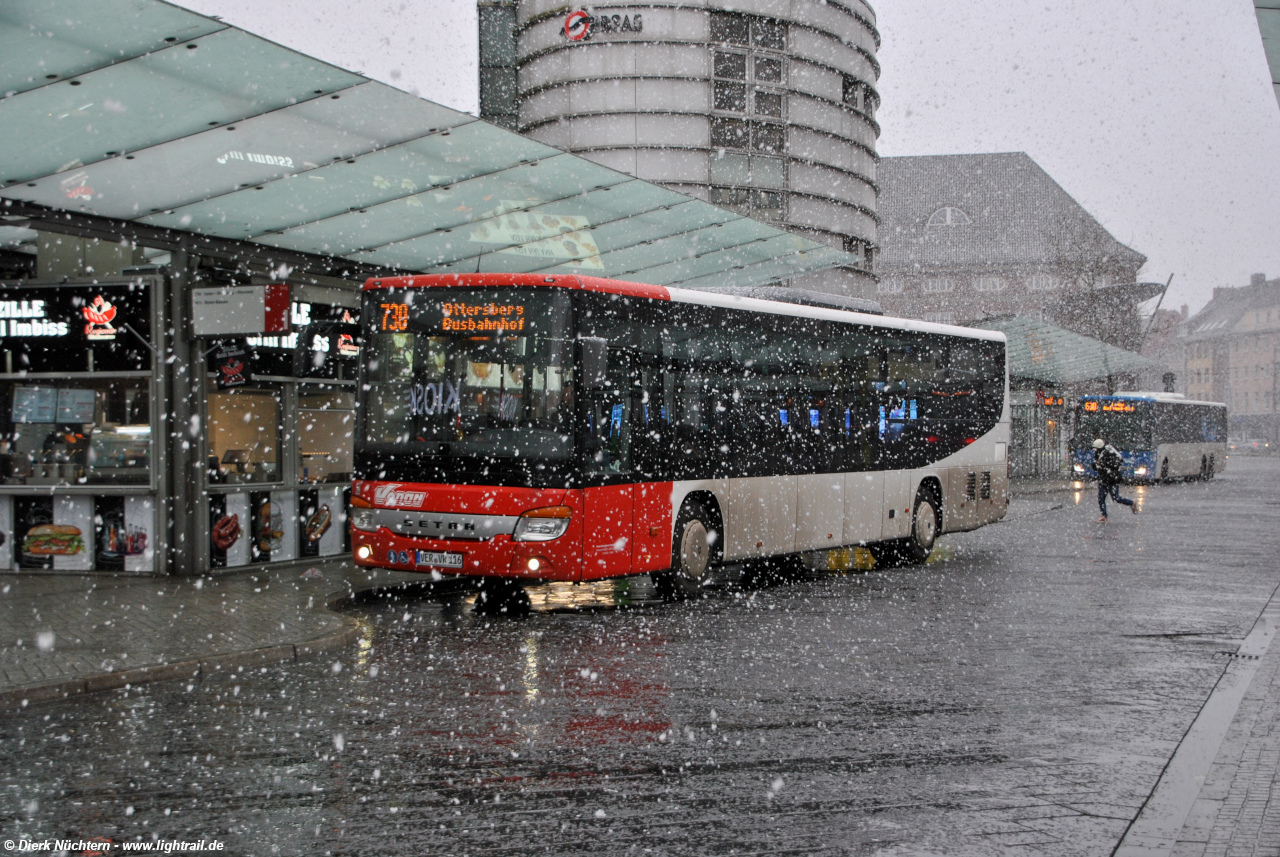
(1125, 430)
(466, 378)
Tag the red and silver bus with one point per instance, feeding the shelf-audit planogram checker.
(532, 428)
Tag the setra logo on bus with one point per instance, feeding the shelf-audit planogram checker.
(391, 495)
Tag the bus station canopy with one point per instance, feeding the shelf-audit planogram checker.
(143, 112)
(1052, 355)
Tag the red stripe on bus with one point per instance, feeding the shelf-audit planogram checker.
(585, 284)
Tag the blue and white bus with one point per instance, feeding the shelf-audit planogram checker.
(1161, 436)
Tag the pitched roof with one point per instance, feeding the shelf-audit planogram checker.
(1017, 214)
(1221, 314)
(1041, 352)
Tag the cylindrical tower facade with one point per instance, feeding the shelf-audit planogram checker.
(766, 108)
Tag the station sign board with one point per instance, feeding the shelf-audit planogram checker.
(240, 310)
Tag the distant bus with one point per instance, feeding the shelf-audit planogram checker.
(530, 428)
(1160, 435)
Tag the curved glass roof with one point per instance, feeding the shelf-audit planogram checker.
(1042, 352)
(141, 111)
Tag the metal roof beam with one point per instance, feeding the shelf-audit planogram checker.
(92, 226)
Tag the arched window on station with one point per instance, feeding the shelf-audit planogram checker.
(949, 216)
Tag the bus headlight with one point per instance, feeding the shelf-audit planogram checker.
(363, 519)
(1141, 471)
(542, 525)
(1078, 468)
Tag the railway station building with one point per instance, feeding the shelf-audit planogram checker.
(965, 237)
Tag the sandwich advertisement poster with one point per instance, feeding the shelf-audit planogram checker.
(53, 533)
(77, 533)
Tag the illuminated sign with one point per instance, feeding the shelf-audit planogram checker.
(99, 314)
(1111, 407)
(1051, 401)
(468, 318)
(580, 25)
(395, 317)
(48, 328)
(27, 318)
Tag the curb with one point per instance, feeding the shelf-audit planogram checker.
(196, 669)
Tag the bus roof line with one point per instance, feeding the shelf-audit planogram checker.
(716, 299)
(686, 296)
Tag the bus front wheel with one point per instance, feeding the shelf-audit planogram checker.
(1209, 468)
(924, 528)
(690, 556)
(1164, 470)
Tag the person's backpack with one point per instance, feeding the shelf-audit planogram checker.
(1109, 464)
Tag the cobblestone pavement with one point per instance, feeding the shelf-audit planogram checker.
(110, 631)
(66, 634)
(1237, 812)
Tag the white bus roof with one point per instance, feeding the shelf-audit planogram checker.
(1154, 396)
(715, 299)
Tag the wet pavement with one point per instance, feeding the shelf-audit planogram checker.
(1022, 694)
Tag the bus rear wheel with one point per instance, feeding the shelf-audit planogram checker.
(1210, 469)
(690, 556)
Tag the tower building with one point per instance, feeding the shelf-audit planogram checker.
(765, 108)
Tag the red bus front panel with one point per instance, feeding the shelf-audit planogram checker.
(474, 536)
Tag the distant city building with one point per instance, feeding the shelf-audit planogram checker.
(767, 109)
(1231, 353)
(966, 237)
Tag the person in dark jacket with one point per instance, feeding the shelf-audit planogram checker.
(1108, 464)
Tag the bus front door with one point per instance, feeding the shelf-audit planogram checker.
(607, 503)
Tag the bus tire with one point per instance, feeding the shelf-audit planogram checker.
(1204, 467)
(925, 525)
(690, 555)
(1209, 471)
(1164, 470)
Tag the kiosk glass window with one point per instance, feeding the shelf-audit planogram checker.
(76, 431)
(326, 425)
(244, 435)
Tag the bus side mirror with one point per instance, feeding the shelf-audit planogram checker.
(595, 362)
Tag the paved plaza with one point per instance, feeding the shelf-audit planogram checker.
(66, 637)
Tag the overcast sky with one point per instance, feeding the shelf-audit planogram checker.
(1156, 115)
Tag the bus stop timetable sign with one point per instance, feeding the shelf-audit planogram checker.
(234, 310)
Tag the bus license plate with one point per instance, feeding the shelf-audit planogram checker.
(445, 559)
